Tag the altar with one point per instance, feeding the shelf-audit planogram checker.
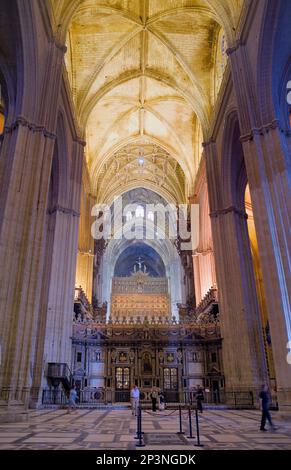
(140, 296)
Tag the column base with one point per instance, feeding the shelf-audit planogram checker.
(284, 400)
(35, 399)
(13, 412)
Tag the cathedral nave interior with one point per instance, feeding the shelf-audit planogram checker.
(145, 201)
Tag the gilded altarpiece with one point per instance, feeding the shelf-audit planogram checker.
(140, 296)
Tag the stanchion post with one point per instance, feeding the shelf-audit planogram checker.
(140, 441)
(190, 423)
(137, 425)
(180, 421)
(197, 430)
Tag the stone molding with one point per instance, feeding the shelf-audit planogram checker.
(264, 129)
(86, 253)
(239, 43)
(208, 143)
(228, 210)
(21, 121)
(80, 141)
(53, 40)
(64, 210)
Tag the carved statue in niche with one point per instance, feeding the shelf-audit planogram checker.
(113, 355)
(161, 356)
(170, 357)
(146, 334)
(147, 363)
(131, 356)
(122, 357)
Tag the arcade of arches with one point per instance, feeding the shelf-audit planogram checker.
(145, 199)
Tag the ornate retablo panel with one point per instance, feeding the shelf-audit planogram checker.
(139, 295)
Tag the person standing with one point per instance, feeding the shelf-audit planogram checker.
(265, 397)
(72, 399)
(162, 404)
(199, 399)
(134, 396)
(154, 398)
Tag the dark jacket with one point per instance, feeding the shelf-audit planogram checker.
(266, 400)
(199, 395)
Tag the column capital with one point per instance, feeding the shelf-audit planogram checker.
(86, 253)
(21, 121)
(227, 210)
(80, 141)
(208, 143)
(263, 130)
(202, 252)
(59, 45)
(193, 199)
(64, 210)
(237, 44)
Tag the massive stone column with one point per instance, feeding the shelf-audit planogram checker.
(56, 309)
(268, 171)
(243, 358)
(27, 151)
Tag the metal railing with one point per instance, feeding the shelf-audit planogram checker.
(54, 397)
(171, 396)
(237, 399)
(84, 397)
(234, 399)
(122, 396)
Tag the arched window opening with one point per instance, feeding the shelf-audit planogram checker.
(128, 216)
(220, 61)
(151, 216)
(69, 61)
(139, 212)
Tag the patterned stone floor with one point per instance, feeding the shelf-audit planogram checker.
(115, 429)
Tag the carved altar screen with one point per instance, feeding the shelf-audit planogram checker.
(139, 296)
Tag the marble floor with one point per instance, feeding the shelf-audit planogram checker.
(115, 429)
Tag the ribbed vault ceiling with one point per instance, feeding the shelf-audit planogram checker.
(143, 71)
(135, 162)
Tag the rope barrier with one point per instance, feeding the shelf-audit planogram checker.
(187, 413)
(154, 413)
